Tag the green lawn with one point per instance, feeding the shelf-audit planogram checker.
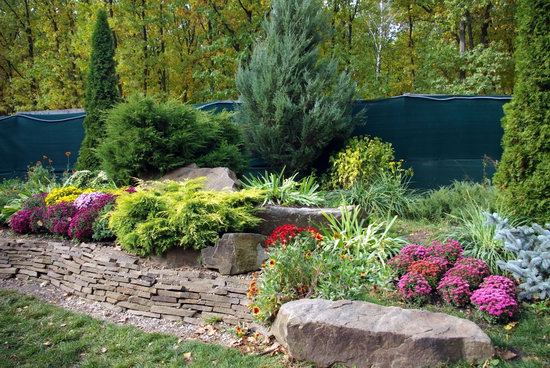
(35, 334)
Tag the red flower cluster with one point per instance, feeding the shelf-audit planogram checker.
(284, 233)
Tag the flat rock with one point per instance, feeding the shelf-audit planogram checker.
(177, 257)
(217, 178)
(360, 334)
(235, 253)
(274, 216)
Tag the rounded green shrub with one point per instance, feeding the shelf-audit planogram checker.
(146, 138)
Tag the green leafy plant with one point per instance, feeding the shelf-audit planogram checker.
(100, 227)
(362, 160)
(89, 179)
(146, 138)
(285, 191)
(351, 235)
(163, 215)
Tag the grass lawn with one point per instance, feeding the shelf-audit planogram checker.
(35, 334)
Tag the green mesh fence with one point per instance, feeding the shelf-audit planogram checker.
(443, 138)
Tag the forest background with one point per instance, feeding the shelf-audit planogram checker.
(190, 49)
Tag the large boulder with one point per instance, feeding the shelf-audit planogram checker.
(217, 178)
(235, 253)
(360, 334)
(274, 216)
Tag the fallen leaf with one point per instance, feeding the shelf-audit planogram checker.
(510, 326)
(507, 355)
(103, 350)
(187, 357)
(47, 343)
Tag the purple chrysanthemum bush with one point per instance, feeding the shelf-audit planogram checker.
(440, 270)
(74, 220)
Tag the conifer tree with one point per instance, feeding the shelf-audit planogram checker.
(294, 102)
(523, 174)
(101, 91)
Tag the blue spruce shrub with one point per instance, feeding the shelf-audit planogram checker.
(531, 244)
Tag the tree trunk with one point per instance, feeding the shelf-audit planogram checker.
(145, 48)
(462, 43)
(468, 18)
(484, 32)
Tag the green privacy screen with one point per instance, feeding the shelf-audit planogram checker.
(443, 138)
(25, 139)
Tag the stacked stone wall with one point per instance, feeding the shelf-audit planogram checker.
(125, 282)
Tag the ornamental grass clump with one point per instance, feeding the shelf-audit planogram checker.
(415, 288)
(495, 305)
(454, 290)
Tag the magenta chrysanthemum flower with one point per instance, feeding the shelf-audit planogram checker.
(451, 250)
(472, 270)
(414, 287)
(499, 282)
(496, 304)
(454, 290)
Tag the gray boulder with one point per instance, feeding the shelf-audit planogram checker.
(274, 216)
(217, 178)
(360, 334)
(235, 253)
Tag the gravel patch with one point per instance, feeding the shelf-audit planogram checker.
(217, 334)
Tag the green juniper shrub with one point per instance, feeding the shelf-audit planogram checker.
(163, 215)
(101, 91)
(146, 138)
(294, 102)
(523, 175)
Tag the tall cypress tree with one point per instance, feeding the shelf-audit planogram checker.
(293, 101)
(523, 174)
(101, 91)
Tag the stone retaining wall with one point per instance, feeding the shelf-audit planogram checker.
(122, 281)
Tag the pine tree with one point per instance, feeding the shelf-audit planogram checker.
(101, 91)
(293, 101)
(523, 174)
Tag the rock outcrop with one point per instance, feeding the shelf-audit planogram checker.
(359, 334)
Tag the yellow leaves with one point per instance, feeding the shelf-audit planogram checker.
(510, 326)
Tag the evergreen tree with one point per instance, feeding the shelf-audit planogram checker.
(293, 101)
(523, 174)
(101, 91)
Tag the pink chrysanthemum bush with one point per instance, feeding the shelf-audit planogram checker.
(20, 222)
(58, 217)
(454, 290)
(495, 305)
(499, 282)
(82, 223)
(451, 250)
(414, 288)
(441, 270)
(471, 269)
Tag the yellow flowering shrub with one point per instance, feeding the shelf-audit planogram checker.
(65, 194)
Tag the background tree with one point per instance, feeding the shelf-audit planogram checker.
(101, 91)
(293, 101)
(523, 174)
